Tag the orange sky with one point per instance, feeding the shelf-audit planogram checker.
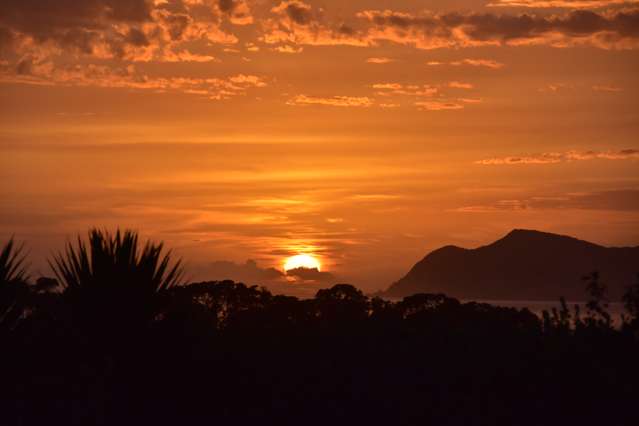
(365, 132)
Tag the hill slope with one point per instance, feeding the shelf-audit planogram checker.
(524, 265)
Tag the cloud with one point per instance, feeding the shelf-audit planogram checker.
(297, 11)
(398, 89)
(556, 87)
(120, 30)
(618, 200)
(560, 4)
(460, 85)
(252, 273)
(387, 86)
(248, 272)
(310, 274)
(337, 101)
(374, 197)
(297, 23)
(439, 105)
(606, 88)
(288, 49)
(488, 63)
(238, 11)
(436, 100)
(379, 60)
(91, 75)
(431, 31)
(500, 205)
(561, 157)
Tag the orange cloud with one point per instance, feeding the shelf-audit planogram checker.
(288, 49)
(556, 87)
(46, 73)
(560, 157)
(238, 11)
(388, 89)
(558, 4)
(606, 88)
(488, 63)
(439, 106)
(460, 85)
(296, 23)
(379, 60)
(618, 199)
(431, 31)
(337, 101)
(387, 86)
(134, 30)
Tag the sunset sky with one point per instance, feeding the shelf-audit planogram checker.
(364, 133)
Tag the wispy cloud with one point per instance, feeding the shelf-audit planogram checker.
(91, 75)
(381, 60)
(487, 63)
(606, 88)
(288, 49)
(556, 87)
(560, 4)
(619, 200)
(460, 85)
(454, 29)
(238, 11)
(336, 101)
(561, 157)
(439, 105)
(298, 23)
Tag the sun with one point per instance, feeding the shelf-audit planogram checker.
(302, 261)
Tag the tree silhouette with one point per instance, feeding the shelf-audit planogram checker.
(597, 305)
(342, 303)
(631, 304)
(116, 340)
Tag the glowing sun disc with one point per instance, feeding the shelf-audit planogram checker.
(301, 261)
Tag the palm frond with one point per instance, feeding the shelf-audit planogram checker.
(12, 263)
(115, 260)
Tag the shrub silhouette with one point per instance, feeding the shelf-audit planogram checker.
(124, 341)
(13, 284)
(631, 304)
(111, 285)
(12, 264)
(112, 261)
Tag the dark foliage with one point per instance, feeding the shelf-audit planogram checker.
(13, 289)
(116, 341)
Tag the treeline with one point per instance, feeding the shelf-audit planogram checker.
(118, 338)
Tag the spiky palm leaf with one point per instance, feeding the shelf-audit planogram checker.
(12, 263)
(13, 286)
(116, 261)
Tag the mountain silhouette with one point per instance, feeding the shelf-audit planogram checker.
(523, 265)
